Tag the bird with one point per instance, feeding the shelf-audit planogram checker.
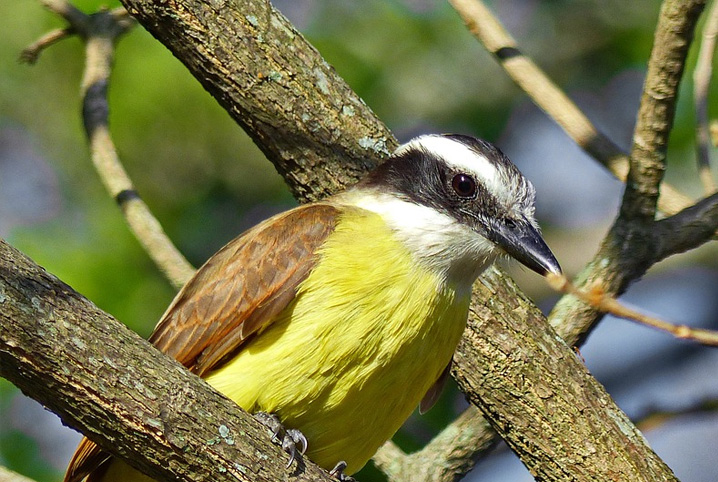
(339, 317)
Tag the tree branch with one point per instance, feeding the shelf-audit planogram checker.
(673, 36)
(538, 86)
(74, 16)
(122, 393)
(308, 122)
(696, 224)
(608, 304)
(321, 137)
(32, 52)
(447, 458)
(100, 32)
(553, 101)
(7, 475)
(633, 245)
(515, 369)
(656, 417)
(701, 82)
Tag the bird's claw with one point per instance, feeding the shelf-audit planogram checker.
(291, 440)
(338, 472)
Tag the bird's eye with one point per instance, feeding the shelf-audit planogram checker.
(464, 185)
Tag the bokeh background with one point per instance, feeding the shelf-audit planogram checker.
(416, 65)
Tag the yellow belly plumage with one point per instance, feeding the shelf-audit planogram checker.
(349, 360)
(352, 356)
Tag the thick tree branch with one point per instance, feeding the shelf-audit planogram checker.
(102, 378)
(687, 229)
(315, 130)
(321, 137)
(673, 36)
(122, 393)
(514, 367)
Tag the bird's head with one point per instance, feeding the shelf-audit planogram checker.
(458, 202)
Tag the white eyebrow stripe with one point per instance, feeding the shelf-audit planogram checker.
(459, 156)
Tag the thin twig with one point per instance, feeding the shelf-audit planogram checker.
(532, 80)
(100, 31)
(701, 82)
(31, 53)
(656, 418)
(99, 49)
(551, 99)
(597, 298)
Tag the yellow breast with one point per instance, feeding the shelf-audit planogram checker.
(348, 361)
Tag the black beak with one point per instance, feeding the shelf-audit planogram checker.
(524, 243)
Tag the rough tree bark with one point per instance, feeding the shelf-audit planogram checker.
(321, 137)
(106, 381)
(313, 127)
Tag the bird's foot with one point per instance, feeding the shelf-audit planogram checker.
(292, 441)
(338, 472)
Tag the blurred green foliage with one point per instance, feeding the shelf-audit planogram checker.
(414, 63)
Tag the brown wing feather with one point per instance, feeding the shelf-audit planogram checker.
(434, 392)
(242, 287)
(87, 458)
(235, 293)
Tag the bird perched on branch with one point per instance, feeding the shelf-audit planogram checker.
(339, 317)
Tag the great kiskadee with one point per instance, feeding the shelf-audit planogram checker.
(340, 316)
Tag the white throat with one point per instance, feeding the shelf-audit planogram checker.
(438, 241)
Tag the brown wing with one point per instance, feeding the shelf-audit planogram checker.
(235, 293)
(242, 287)
(88, 459)
(434, 392)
